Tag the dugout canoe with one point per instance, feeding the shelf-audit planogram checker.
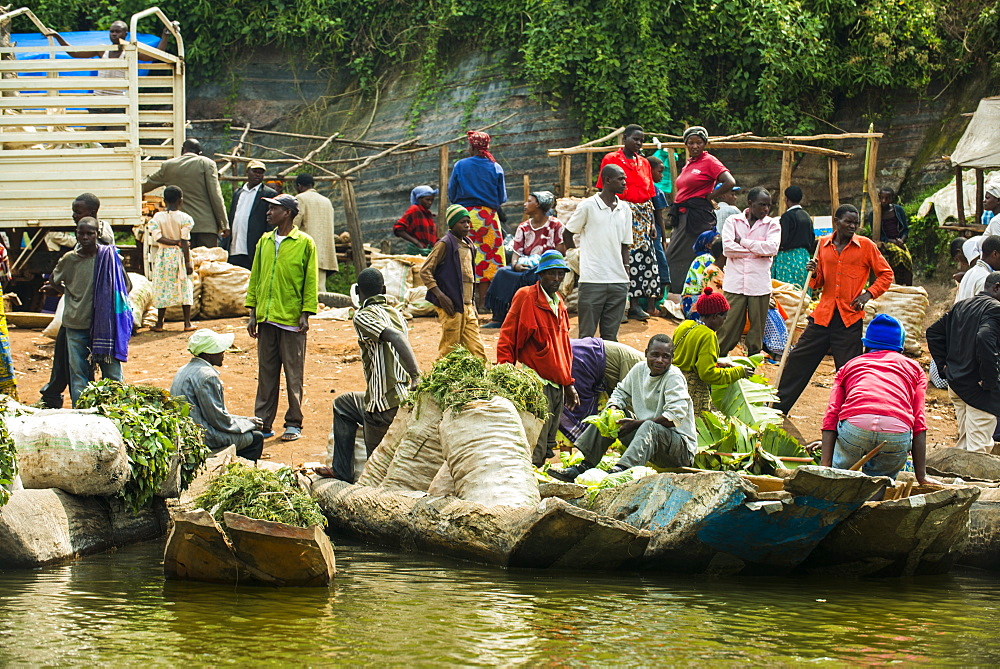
(924, 531)
(722, 522)
(553, 535)
(983, 548)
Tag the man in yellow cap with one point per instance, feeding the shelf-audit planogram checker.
(199, 383)
(449, 276)
(248, 215)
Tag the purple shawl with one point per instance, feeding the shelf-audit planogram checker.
(589, 363)
(111, 327)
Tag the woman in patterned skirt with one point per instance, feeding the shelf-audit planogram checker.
(477, 183)
(170, 230)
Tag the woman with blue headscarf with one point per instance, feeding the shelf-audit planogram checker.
(694, 283)
(417, 226)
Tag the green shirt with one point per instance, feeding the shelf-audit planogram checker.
(696, 347)
(283, 281)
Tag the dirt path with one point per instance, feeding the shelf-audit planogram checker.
(333, 366)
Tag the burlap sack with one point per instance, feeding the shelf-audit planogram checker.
(418, 456)
(908, 305)
(223, 290)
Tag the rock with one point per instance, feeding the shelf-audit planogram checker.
(966, 464)
(565, 491)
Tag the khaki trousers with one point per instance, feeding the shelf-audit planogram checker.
(462, 328)
(975, 427)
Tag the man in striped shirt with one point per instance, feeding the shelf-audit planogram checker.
(390, 373)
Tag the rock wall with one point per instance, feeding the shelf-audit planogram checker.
(276, 91)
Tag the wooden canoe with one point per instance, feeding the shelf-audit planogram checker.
(983, 548)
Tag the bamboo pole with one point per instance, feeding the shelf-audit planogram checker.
(309, 155)
(353, 225)
(527, 187)
(339, 140)
(443, 159)
(980, 194)
(590, 169)
(771, 146)
(594, 142)
(673, 172)
(284, 153)
(785, 179)
(959, 195)
(833, 174)
(371, 159)
(873, 193)
(237, 150)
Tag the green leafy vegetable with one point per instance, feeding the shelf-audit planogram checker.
(261, 494)
(8, 462)
(606, 421)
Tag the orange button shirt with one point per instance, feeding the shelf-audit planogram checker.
(843, 276)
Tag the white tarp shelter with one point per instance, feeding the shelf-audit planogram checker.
(980, 145)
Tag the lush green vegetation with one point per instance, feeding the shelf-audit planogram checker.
(766, 65)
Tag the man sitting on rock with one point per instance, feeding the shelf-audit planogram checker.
(199, 382)
(662, 430)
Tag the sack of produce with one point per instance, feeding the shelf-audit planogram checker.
(52, 329)
(203, 254)
(175, 314)
(223, 290)
(140, 298)
(396, 274)
(378, 464)
(487, 454)
(443, 484)
(418, 455)
(790, 297)
(907, 304)
(82, 454)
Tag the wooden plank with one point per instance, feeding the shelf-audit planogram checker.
(589, 169)
(565, 168)
(42, 120)
(770, 146)
(63, 65)
(83, 137)
(527, 187)
(873, 192)
(353, 225)
(156, 133)
(63, 84)
(980, 194)
(156, 99)
(833, 174)
(38, 102)
(785, 179)
(443, 160)
(597, 141)
(960, 195)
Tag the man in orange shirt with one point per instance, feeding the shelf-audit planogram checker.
(841, 268)
(536, 333)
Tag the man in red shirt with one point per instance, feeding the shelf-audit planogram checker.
(878, 398)
(536, 333)
(843, 263)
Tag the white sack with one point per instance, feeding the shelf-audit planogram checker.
(418, 456)
(223, 290)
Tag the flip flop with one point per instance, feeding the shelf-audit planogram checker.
(291, 433)
(324, 472)
(268, 434)
(156, 329)
(190, 329)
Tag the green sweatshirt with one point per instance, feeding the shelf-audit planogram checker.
(283, 282)
(699, 350)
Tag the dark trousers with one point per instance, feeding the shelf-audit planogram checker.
(255, 449)
(547, 439)
(241, 260)
(600, 304)
(844, 342)
(277, 349)
(348, 415)
(740, 307)
(52, 392)
(207, 239)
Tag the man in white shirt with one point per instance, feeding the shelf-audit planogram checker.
(662, 431)
(248, 215)
(975, 278)
(604, 223)
(750, 240)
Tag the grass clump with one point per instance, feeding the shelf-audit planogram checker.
(261, 494)
(8, 462)
(460, 377)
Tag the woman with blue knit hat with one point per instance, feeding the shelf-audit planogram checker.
(878, 398)
(536, 333)
(416, 226)
(449, 276)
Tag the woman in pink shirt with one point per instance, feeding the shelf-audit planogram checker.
(878, 398)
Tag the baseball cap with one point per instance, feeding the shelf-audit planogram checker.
(284, 200)
(256, 165)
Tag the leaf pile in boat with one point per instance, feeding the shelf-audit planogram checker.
(8, 462)
(460, 377)
(154, 425)
(261, 494)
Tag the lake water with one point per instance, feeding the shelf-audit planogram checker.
(390, 608)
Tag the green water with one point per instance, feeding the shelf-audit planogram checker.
(389, 608)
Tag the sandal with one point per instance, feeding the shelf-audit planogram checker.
(324, 472)
(291, 433)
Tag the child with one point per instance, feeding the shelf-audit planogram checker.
(171, 231)
(416, 226)
(449, 276)
(660, 205)
(705, 246)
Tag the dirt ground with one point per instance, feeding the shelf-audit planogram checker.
(333, 366)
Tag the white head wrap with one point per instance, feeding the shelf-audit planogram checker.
(206, 341)
(993, 189)
(971, 248)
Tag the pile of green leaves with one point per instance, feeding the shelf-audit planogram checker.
(606, 421)
(8, 461)
(154, 425)
(460, 377)
(261, 494)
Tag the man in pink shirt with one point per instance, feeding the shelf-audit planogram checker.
(878, 398)
(750, 240)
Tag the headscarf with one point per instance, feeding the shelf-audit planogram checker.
(454, 214)
(546, 200)
(206, 341)
(421, 191)
(697, 131)
(480, 142)
(993, 189)
(704, 242)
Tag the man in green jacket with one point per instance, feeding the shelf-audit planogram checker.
(281, 296)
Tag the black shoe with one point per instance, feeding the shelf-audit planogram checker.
(637, 314)
(570, 473)
(617, 469)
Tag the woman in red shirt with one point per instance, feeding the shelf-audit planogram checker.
(644, 273)
(692, 212)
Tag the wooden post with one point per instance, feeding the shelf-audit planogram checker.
(980, 194)
(527, 187)
(959, 195)
(833, 170)
(564, 174)
(786, 179)
(873, 193)
(673, 171)
(353, 225)
(591, 181)
(442, 223)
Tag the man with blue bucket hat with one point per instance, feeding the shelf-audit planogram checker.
(536, 334)
(878, 398)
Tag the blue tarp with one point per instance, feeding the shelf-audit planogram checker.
(82, 38)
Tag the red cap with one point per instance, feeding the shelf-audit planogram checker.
(711, 302)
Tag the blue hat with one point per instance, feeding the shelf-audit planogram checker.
(884, 333)
(551, 260)
(421, 191)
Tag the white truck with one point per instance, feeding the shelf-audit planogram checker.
(66, 128)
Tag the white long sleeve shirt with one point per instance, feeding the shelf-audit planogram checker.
(665, 395)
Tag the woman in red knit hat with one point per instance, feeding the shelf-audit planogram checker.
(696, 351)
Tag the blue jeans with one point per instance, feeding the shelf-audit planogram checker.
(853, 443)
(81, 370)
